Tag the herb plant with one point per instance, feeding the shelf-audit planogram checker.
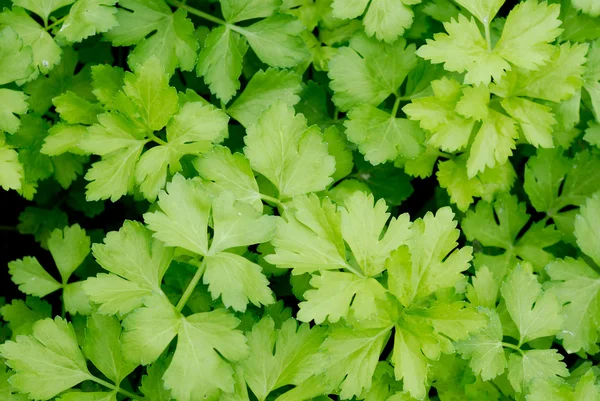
(291, 200)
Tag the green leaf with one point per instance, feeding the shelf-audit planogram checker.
(500, 224)
(183, 219)
(87, 18)
(535, 313)
(279, 357)
(69, 247)
(350, 357)
(76, 110)
(43, 8)
(276, 41)
(152, 384)
(46, 53)
(262, 91)
(137, 263)
(149, 329)
(220, 62)
(463, 48)
(386, 19)
(242, 10)
(536, 120)
(31, 277)
(553, 182)
(485, 11)
(107, 81)
(381, 137)
(484, 289)
(48, 362)
(290, 155)
(338, 147)
(577, 287)
(16, 59)
(11, 170)
(310, 238)
(587, 228)
(430, 261)
(591, 77)
(369, 71)
(533, 365)
(200, 337)
(237, 281)
(484, 349)
(103, 347)
(229, 172)
(336, 293)
(150, 100)
(41, 222)
(21, 315)
(12, 104)
(150, 25)
(563, 71)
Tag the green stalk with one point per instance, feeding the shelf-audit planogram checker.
(191, 286)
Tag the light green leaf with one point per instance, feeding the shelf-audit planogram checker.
(485, 350)
(363, 223)
(46, 53)
(310, 237)
(87, 18)
(369, 71)
(381, 137)
(63, 138)
(335, 293)
(20, 315)
(237, 281)
(220, 62)
(201, 336)
(151, 170)
(230, 172)
(279, 357)
(107, 81)
(484, 10)
(69, 247)
(48, 362)
(196, 127)
(351, 355)
(430, 260)
(152, 101)
(75, 109)
(137, 258)
(103, 347)
(290, 155)
(31, 277)
(152, 384)
(587, 228)
(242, 10)
(150, 24)
(262, 91)
(536, 120)
(149, 330)
(238, 224)
(16, 59)
(577, 287)
(183, 217)
(534, 364)
(12, 104)
(276, 41)
(43, 8)
(535, 313)
(11, 170)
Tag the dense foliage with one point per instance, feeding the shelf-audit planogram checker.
(237, 200)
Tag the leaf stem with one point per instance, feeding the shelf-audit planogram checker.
(196, 12)
(396, 106)
(272, 201)
(191, 286)
(156, 139)
(512, 346)
(114, 388)
(206, 16)
(486, 26)
(58, 21)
